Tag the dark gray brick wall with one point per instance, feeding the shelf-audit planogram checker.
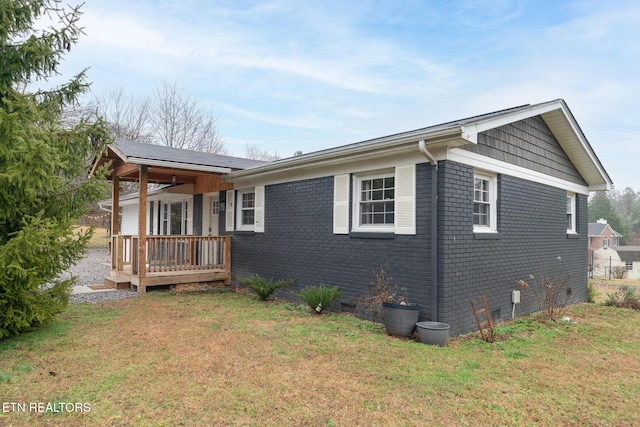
(532, 240)
(298, 243)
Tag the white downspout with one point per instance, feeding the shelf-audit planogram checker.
(422, 146)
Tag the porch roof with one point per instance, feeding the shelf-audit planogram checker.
(165, 163)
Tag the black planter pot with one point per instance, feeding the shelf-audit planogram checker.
(400, 319)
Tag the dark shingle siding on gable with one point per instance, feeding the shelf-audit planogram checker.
(528, 143)
(532, 235)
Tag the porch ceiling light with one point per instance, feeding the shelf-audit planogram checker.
(173, 180)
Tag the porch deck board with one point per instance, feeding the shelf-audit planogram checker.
(175, 277)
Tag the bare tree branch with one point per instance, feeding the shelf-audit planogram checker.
(126, 116)
(253, 152)
(179, 121)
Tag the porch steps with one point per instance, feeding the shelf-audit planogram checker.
(117, 282)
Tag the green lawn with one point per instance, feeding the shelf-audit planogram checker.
(99, 240)
(224, 358)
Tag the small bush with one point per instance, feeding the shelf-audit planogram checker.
(619, 272)
(551, 294)
(591, 294)
(262, 287)
(624, 297)
(381, 289)
(319, 297)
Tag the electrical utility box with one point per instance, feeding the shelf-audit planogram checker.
(515, 296)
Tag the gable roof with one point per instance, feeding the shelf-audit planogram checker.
(596, 229)
(140, 153)
(628, 253)
(137, 153)
(556, 115)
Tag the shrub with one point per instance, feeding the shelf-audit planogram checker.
(624, 297)
(319, 297)
(591, 294)
(262, 287)
(619, 272)
(381, 289)
(551, 294)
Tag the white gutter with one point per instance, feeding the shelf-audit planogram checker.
(422, 146)
(335, 155)
(102, 208)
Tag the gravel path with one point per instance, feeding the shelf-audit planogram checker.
(91, 270)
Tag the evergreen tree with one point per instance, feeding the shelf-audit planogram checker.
(600, 207)
(43, 164)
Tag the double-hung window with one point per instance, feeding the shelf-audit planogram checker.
(571, 213)
(381, 201)
(375, 202)
(246, 211)
(484, 203)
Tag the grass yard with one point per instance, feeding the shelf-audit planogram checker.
(224, 358)
(604, 287)
(99, 240)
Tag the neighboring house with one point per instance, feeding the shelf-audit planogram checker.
(601, 235)
(457, 210)
(609, 261)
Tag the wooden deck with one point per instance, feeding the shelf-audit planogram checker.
(170, 260)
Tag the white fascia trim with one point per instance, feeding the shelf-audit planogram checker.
(381, 147)
(498, 166)
(176, 165)
(520, 114)
(346, 166)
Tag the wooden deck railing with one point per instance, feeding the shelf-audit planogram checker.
(172, 253)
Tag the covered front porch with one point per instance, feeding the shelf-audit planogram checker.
(170, 260)
(155, 249)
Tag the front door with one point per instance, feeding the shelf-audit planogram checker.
(214, 221)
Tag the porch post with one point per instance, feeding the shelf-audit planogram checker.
(142, 228)
(115, 219)
(115, 205)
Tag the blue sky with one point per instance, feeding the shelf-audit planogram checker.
(291, 75)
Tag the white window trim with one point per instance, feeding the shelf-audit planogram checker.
(493, 203)
(239, 225)
(572, 197)
(375, 228)
(186, 218)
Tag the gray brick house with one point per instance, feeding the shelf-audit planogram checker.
(458, 210)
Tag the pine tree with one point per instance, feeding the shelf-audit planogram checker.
(43, 164)
(600, 207)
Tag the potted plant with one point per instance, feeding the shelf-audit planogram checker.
(387, 300)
